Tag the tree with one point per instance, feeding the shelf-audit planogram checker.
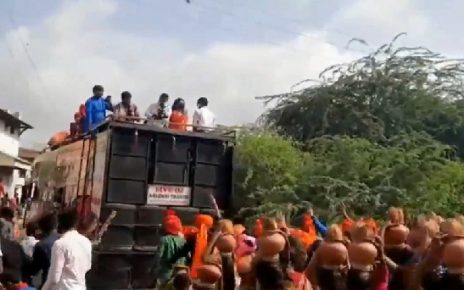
(388, 92)
(268, 169)
(275, 175)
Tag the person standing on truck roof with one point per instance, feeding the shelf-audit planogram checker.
(95, 108)
(179, 118)
(158, 113)
(203, 118)
(126, 108)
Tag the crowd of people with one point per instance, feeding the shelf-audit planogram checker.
(160, 113)
(426, 253)
(50, 255)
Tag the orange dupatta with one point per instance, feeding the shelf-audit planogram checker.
(200, 247)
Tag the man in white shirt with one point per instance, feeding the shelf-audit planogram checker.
(71, 256)
(203, 118)
(158, 113)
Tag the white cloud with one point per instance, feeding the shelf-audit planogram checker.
(77, 48)
(380, 20)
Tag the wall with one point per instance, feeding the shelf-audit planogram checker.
(9, 143)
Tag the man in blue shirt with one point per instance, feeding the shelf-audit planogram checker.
(95, 109)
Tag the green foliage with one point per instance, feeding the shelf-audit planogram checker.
(391, 91)
(268, 169)
(381, 131)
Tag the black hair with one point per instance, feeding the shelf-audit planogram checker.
(298, 255)
(181, 281)
(178, 105)
(164, 96)
(31, 229)
(126, 94)
(202, 102)
(97, 88)
(67, 220)
(48, 223)
(7, 213)
(270, 275)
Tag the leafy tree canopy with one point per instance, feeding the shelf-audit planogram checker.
(382, 130)
(388, 92)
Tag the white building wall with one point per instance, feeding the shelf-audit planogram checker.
(9, 142)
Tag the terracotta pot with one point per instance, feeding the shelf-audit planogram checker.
(362, 232)
(271, 243)
(453, 253)
(396, 235)
(226, 243)
(363, 253)
(332, 253)
(244, 264)
(396, 215)
(209, 273)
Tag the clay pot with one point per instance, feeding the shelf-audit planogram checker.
(226, 226)
(209, 273)
(453, 253)
(396, 235)
(362, 232)
(332, 253)
(244, 264)
(271, 243)
(226, 243)
(396, 215)
(363, 253)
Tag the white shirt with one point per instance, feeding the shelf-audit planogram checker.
(153, 110)
(70, 261)
(203, 117)
(28, 244)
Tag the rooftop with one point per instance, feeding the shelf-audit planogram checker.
(14, 120)
(28, 154)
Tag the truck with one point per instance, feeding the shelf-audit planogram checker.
(136, 171)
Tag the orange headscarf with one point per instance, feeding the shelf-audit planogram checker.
(204, 219)
(172, 225)
(347, 225)
(307, 239)
(371, 224)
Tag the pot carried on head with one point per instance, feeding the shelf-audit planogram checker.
(362, 252)
(332, 253)
(396, 233)
(208, 275)
(271, 244)
(453, 251)
(226, 243)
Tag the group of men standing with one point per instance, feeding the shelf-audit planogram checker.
(53, 255)
(158, 114)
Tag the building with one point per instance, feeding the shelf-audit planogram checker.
(13, 169)
(28, 154)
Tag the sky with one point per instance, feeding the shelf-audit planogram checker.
(230, 51)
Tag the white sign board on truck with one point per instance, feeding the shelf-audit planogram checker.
(170, 195)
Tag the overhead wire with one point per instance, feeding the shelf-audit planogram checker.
(274, 27)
